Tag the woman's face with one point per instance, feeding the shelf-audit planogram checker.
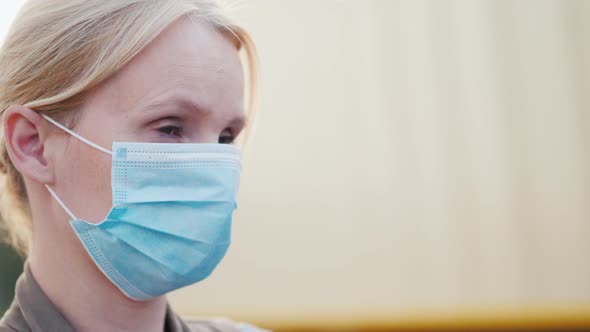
(187, 87)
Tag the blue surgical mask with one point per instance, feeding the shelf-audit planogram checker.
(170, 224)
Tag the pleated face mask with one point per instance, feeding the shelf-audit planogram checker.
(170, 224)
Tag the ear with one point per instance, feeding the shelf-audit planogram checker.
(25, 143)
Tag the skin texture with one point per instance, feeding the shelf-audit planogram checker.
(190, 77)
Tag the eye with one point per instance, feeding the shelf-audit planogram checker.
(226, 137)
(171, 130)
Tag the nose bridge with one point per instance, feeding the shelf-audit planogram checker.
(206, 136)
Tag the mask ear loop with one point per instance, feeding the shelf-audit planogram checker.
(63, 205)
(82, 139)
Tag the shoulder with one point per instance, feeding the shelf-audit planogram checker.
(5, 327)
(13, 319)
(220, 325)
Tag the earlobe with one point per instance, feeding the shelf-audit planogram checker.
(24, 139)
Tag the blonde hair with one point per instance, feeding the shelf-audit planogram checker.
(58, 50)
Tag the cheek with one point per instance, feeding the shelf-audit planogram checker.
(86, 177)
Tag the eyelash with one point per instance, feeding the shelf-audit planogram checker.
(176, 131)
(171, 131)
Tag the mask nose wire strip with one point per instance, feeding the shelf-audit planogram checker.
(82, 139)
(63, 205)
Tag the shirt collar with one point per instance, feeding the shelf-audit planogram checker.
(32, 310)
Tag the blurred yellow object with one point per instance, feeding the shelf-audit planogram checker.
(501, 319)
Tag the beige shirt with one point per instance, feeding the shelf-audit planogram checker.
(32, 310)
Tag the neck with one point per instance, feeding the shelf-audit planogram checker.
(85, 297)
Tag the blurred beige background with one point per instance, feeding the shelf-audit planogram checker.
(411, 157)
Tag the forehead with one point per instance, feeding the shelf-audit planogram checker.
(189, 60)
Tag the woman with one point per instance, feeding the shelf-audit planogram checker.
(119, 119)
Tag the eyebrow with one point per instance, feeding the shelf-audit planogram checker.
(185, 105)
